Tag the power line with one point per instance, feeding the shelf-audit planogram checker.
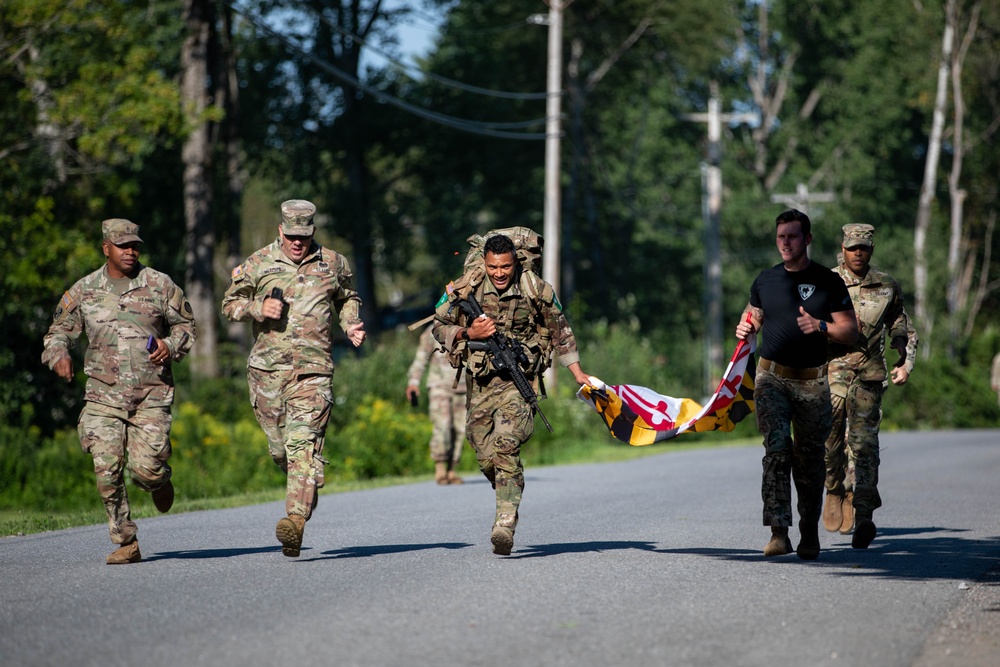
(474, 127)
(431, 75)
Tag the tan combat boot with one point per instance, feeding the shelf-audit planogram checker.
(847, 524)
(289, 532)
(502, 535)
(779, 544)
(454, 479)
(163, 497)
(503, 540)
(126, 553)
(833, 513)
(441, 472)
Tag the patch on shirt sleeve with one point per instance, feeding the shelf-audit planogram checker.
(237, 272)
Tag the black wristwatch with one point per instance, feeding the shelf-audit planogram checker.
(822, 326)
(465, 334)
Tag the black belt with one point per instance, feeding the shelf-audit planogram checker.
(792, 373)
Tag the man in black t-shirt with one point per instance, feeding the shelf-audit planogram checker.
(804, 305)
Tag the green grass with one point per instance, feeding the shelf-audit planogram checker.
(25, 522)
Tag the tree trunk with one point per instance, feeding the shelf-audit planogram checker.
(985, 287)
(228, 92)
(956, 295)
(196, 155)
(923, 315)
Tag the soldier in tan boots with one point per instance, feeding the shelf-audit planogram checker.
(446, 406)
(294, 291)
(137, 321)
(858, 378)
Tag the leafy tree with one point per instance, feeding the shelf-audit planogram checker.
(88, 107)
(321, 131)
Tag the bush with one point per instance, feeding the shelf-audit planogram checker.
(381, 439)
(939, 395)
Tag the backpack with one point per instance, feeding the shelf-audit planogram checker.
(527, 245)
(528, 248)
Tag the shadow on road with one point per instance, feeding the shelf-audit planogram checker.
(538, 550)
(897, 553)
(209, 553)
(382, 549)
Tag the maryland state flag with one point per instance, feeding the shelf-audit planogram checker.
(640, 416)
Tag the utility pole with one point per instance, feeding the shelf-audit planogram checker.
(553, 130)
(802, 198)
(711, 211)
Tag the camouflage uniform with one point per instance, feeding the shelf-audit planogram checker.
(786, 406)
(858, 378)
(500, 421)
(290, 368)
(447, 400)
(125, 421)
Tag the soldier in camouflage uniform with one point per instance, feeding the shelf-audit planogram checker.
(446, 406)
(520, 305)
(801, 305)
(858, 379)
(290, 368)
(125, 309)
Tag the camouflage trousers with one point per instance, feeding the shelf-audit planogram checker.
(448, 414)
(116, 439)
(499, 423)
(852, 450)
(794, 417)
(293, 410)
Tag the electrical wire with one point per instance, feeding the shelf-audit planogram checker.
(475, 127)
(452, 83)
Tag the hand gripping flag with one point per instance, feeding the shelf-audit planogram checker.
(639, 416)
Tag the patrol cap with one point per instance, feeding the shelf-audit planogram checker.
(857, 234)
(297, 217)
(120, 231)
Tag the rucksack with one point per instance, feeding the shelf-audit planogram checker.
(527, 243)
(528, 246)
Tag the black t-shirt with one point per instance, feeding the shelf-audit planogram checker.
(779, 293)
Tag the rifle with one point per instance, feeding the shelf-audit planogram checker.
(506, 355)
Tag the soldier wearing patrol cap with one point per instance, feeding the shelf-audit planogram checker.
(446, 406)
(293, 291)
(136, 321)
(858, 378)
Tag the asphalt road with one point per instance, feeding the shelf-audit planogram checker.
(656, 561)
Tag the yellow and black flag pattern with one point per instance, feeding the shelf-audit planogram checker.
(640, 416)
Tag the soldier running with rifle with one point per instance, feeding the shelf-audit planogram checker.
(504, 346)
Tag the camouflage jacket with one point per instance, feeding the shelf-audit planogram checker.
(441, 374)
(878, 304)
(117, 327)
(316, 291)
(528, 311)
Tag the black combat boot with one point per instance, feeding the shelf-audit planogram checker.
(864, 529)
(808, 548)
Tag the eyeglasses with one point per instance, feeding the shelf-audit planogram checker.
(300, 239)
